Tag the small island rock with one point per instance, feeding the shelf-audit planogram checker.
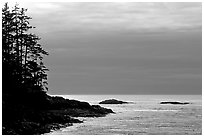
(112, 101)
(175, 103)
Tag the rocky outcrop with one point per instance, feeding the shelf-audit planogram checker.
(26, 121)
(39, 114)
(175, 103)
(76, 108)
(112, 101)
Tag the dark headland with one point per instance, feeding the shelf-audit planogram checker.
(26, 108)
(39, 113)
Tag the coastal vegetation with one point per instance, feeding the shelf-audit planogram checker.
(26, 107)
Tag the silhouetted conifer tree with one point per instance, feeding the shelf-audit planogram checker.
(22, 55)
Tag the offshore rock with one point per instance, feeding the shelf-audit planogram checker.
(175, 103)
(112, 101)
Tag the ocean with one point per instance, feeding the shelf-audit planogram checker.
(143, 116)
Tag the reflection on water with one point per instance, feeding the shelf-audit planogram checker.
(145, 116)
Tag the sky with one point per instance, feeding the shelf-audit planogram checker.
(120, 48)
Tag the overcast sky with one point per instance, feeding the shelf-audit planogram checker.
(121, 48)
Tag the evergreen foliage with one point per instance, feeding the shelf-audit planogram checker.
(22, 55)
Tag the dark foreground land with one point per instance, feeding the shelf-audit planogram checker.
(38, 113)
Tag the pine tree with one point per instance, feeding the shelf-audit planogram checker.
(22, 55)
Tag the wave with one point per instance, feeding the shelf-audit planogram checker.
(157, 110)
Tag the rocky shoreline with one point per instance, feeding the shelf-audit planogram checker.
(44, 115)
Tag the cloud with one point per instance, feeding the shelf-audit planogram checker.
(90, 17)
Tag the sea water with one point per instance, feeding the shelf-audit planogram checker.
(143, 116)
